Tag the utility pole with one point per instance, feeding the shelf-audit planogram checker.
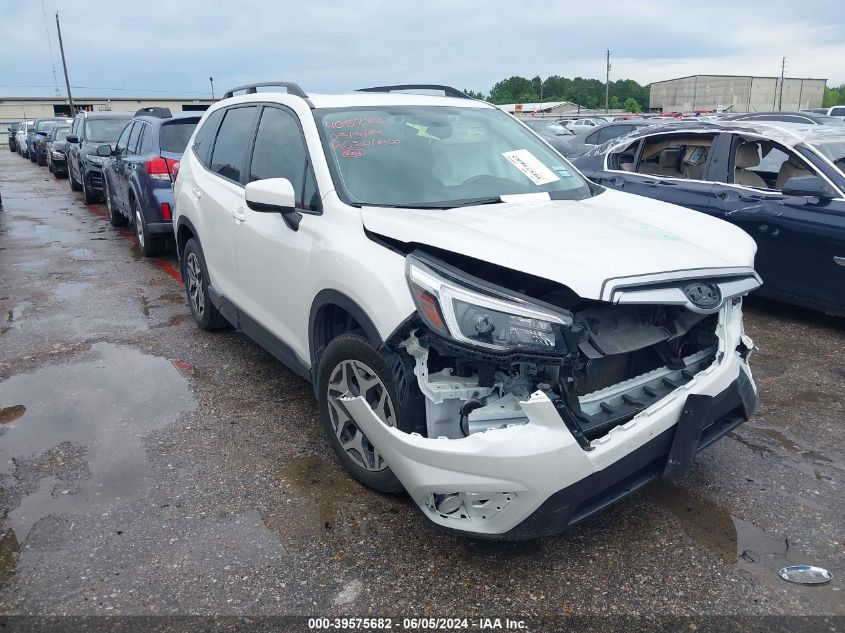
(782, 73)
(64, 65)
(211, 79)
(607, 85)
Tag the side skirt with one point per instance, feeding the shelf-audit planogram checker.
(258, 333)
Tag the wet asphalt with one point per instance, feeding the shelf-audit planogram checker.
(149, 468)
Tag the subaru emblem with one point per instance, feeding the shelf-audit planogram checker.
(702, 295)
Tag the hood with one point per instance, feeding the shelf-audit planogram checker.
(578, 243)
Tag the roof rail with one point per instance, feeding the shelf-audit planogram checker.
(249, 89)
(448, 90)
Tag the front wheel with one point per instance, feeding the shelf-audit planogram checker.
(195, 274)
(350, 365)
(116, 218)
(74, 185)
(89, 194)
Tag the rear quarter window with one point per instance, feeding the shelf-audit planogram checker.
(174, 137)
(205, 137)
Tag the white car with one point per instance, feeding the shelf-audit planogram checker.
(513, 345)
(577, 126)
(20, 137)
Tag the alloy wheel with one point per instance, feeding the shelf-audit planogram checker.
(139, 227)
(195, 290)
(355, 378)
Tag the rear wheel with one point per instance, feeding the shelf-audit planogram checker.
(116, 218)
(74, 185)
(350, 365)
(150, 244)
(42, 160)
(195, 274)
(32, 156)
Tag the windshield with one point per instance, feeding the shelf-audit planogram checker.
(45, 126)
(437, 156)
(104, 130)
(61, 132)
(174, 137)
(834, 150)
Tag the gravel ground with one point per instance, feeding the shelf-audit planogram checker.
(150, 468)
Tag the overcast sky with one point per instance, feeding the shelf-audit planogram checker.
(119, 47)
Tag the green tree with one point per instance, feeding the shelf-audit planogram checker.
(631, 105)
(474, 94)
(833, 96)
(514, 89)
(615, 104)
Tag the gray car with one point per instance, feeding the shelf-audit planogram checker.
(552, 132)
(582, 143)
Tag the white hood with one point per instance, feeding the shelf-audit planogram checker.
(579, 244)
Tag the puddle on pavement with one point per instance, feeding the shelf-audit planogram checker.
(322, 501)
(71, 290)
(12, 413)
(810, 462)
(79, 446)
(732, 539)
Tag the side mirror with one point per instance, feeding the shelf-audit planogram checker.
(72, 138)
(809, 186)
(272, 195)
(104, 150)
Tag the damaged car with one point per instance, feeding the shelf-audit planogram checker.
(514, 346)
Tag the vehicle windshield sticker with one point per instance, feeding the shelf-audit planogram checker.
(562, 171)
(422, 130)
(354, 142)
(531, 166)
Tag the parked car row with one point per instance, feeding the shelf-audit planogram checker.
(127, 160)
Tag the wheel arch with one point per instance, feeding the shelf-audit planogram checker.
(185, 230)
(328, 310)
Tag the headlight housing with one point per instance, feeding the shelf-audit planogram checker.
(472, 312)
(97, 160)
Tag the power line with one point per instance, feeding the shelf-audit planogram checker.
(194, 92)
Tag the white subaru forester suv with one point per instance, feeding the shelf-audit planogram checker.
(510, 343)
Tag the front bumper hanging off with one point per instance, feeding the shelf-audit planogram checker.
(535, 479)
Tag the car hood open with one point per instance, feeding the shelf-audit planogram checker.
(578, 243)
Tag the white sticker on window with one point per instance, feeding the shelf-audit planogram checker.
(531, 166)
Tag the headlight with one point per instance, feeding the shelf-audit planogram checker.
(56, 154)
(472, 312)
(97, 160)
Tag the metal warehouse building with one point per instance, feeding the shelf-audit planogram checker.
(27, 108)
(735, 93)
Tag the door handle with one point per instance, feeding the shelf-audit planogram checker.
(727, 195)
(196, 193)
(617, 181)
(839, 260)
(239, 214)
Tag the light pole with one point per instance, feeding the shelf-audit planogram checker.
(211, 79)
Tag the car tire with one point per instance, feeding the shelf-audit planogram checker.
(151, 245)
(74, 185)
(32, 156)
(89, 194)
(350, 354)
(195, 273)
(116, 218)
(42, 162)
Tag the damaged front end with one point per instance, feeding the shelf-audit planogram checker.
(528, 395)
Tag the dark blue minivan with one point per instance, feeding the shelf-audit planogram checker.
(138, 177)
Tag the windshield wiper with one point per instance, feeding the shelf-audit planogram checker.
(436, 205)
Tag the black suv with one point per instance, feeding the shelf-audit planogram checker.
(89, 131)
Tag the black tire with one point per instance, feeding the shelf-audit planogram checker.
(50, 167)
(42, 162)
(32, 157)
(89, 194)
(74, 185)
(396, 374)
(116, 218)
(150, 244)
(209, 318)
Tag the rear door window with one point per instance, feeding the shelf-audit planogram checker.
(205, 137)
(229, 153)
(133, 138)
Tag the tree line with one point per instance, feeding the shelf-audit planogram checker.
(833, 96)
(624, 94)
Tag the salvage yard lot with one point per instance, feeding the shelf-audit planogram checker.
(148, 467)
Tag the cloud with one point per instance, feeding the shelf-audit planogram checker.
(173, 47)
